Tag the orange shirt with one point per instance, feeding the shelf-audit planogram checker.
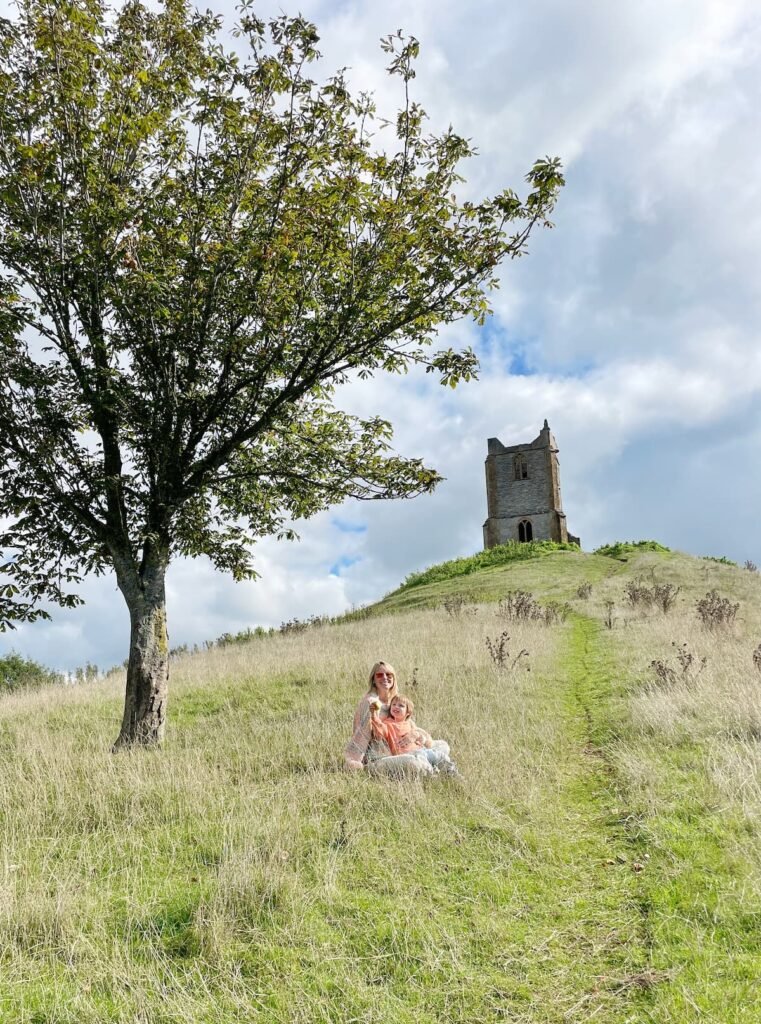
(404, 737)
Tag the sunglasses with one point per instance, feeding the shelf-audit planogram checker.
(384, 675)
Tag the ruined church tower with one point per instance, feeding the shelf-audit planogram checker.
(523, 492)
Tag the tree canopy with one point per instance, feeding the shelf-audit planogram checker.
(198, 246)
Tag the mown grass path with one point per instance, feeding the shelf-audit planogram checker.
(688, 863)
(588, 834)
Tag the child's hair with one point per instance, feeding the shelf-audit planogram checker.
(399, 698)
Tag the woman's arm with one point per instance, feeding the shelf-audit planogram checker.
(356, 748)
(362, 709)
(424, 738)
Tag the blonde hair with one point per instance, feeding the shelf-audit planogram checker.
(389, 668)
(399, 698)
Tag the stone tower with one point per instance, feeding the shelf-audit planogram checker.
(523, 492)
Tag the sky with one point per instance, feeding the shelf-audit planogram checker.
(633, 326)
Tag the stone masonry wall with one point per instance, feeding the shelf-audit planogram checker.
(521, 497)
(544, 527)
(535, 498)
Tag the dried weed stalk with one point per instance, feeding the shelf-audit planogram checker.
(555, 612)
(662, 595)
(715, 611)
(456, 604)
(690, 666)
(522, 606)
(609, 616)
(500, 654)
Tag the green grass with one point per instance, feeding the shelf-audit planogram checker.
(502, 554)
(601, 861)
(555, 575)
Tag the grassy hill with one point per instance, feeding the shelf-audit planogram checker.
(601, 860)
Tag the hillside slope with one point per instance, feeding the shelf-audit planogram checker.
(601, 860)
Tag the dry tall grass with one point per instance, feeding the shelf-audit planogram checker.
(132, 880)
(705, 698)
(241, 875)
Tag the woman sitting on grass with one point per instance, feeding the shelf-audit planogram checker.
(365, 749)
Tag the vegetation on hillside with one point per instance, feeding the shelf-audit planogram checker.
(600, 861)
(502, 554)
(721, 559)
(623, 548)
(19, 673)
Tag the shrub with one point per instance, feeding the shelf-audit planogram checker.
(555, 612)
(519, 606)
(622, 548)
(294, 626)
(716, 611)
(687, 660)
(663, 595)
(584, 591)
(357, 613)
(757, 657)
(455, 604)
(17, 673)
(242, 637)
(750, 566)
(302, 625)
(637, 592)
(522, 606)
(723, 560)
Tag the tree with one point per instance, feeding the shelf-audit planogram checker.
(196, 249)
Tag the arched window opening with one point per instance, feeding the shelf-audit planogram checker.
(521, 467)
(525, 532)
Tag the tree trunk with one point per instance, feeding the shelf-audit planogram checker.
(145, 700)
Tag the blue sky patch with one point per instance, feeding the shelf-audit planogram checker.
(346, 527)
(494, 341)
(344, 562)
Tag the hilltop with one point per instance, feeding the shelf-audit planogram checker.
(600, 862)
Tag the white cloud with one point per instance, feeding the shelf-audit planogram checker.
(638, 314)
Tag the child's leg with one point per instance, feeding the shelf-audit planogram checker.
(433, 756)
(439, 761)
(448, 767)
(399, 766)
(428, 756)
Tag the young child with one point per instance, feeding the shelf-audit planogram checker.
(403, 736)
